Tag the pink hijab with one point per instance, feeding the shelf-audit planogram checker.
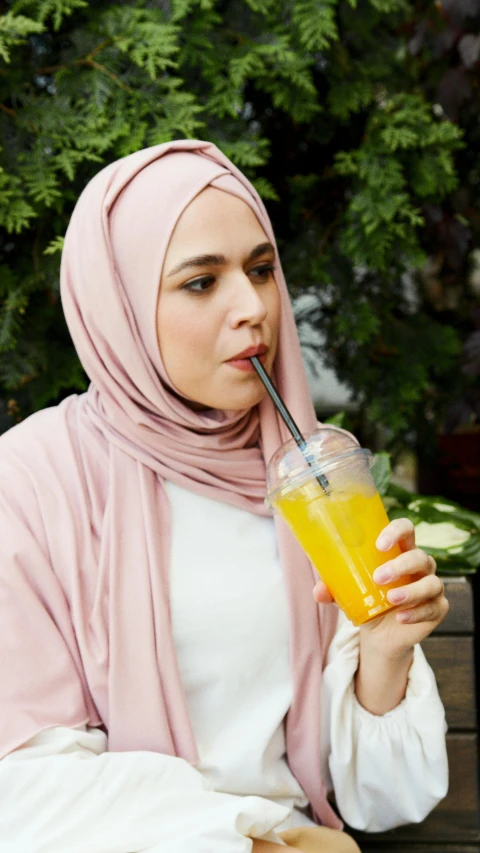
(84, 519)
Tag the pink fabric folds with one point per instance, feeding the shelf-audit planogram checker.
(84, 519)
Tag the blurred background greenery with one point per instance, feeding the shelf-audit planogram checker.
(358, 122)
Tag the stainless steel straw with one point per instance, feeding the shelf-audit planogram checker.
(288, 420)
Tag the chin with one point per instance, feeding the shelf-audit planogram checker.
(225, 396)
(241, 402)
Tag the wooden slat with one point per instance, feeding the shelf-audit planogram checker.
(462, 797)
(460, 617)
(454, 826)
(456, 819)
(452, 661)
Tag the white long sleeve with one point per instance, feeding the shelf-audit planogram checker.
(62, 793)
(385, 770)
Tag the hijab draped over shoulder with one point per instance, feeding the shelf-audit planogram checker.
(84, 518)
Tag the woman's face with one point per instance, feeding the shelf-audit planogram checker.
(218, 300)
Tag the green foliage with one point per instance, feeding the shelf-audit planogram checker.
(444, 529)
(15, 211)
(182, 8)
(56, 10)
(151, 44)
(382, 214)
(323, 105)
(381, 471)
(316, 23)
(386, 6)
(14, 30)
(56, 245)
(12, 305)
(338, 420)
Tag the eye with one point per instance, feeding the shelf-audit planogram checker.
(262, 272)
(199, 285)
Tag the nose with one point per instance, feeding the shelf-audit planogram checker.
(247, 307)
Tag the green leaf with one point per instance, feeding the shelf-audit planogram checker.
(468, 558)
(180, 116)
(261, 6)
(56, 9)
(265, 189)
(68, 159)
(399, 137)
(182, 8)
(438, 520)
(153, 47)
(403, 512)
(316, 24)
(389, 6)
(438, 508)
(381, 471)
(350, 96)
(15, 211)
(441, 533)
(13, 304)
(55, 245)
(245, 153)
(399, 494)
(39, 179)
(337, 420)
(14, 30)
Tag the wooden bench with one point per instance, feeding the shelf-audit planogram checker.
(454, 826)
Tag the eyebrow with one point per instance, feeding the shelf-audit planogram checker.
(218, 260)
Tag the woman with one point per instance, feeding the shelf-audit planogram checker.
(162, 653)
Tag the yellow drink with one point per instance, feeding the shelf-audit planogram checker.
(338, 532)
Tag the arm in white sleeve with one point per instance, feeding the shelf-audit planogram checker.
(63, 793)
(385, 770)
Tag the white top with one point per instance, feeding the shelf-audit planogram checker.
(62, 792)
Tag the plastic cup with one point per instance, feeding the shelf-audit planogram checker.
(337, 527)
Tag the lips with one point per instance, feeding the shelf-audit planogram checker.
(242, 360)
(259, 350)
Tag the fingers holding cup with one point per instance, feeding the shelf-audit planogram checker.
(401, 532)
(421, 599)
(321, 594)
(408, 565)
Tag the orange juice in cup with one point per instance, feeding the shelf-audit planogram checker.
(326, 494)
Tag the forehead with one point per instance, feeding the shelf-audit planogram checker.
(215, 218)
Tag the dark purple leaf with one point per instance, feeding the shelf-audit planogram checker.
(453, 90)
(415, 44)
(469, 49)
(455, 240)
(444, 41)
(471, 354)
(433, 213)
(459, 10)
(458, 413)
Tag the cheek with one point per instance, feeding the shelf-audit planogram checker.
(184, 341)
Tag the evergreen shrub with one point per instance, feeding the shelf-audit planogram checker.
(327, 105)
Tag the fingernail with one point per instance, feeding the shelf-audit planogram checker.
(384, 543)
(404, 616)
(396, 596)
(382, 574)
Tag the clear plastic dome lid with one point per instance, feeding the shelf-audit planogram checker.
(324, 451)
